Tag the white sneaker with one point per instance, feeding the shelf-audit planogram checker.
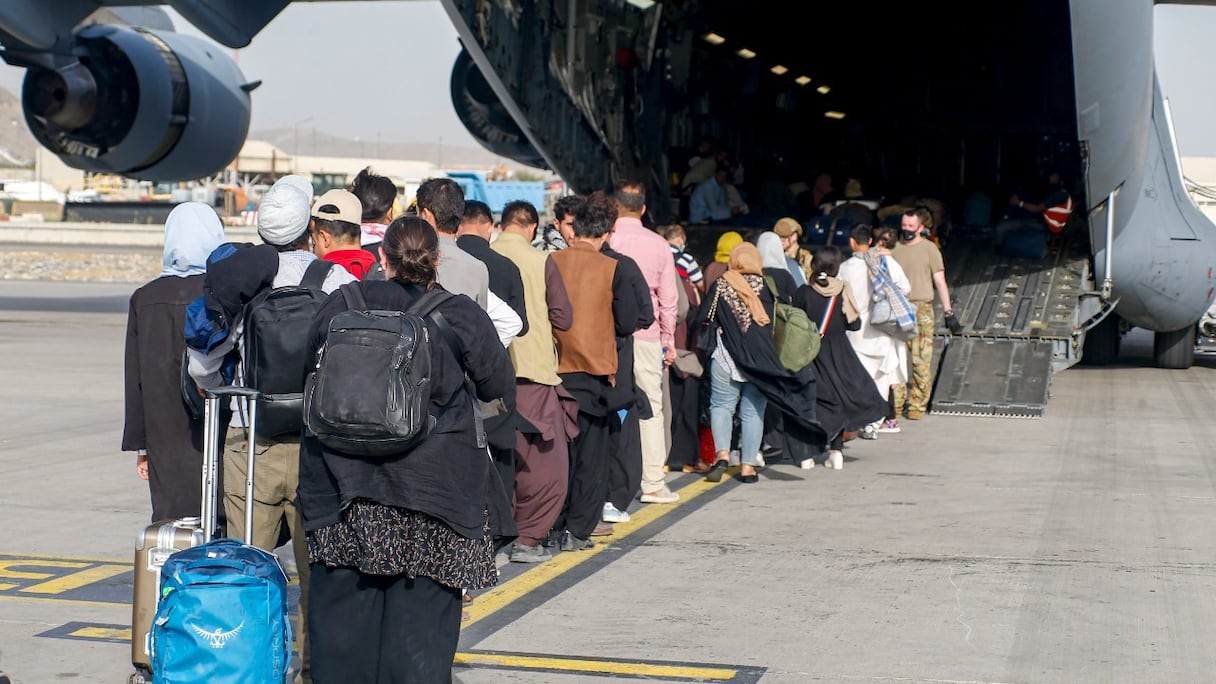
(871, 431)
(760, 460)
(807, 464)
(835, 459)
(663, 496)
(734, 459)
(614, 515)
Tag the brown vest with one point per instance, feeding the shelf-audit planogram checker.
(589, 346)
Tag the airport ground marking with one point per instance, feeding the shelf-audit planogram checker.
(608, 667)
(79, 579)
(500, 660)
(496, 598)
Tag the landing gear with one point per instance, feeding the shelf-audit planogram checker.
(1174, 349)
(1102, 343)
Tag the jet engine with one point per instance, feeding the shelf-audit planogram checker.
(139, 102)
(485, 116)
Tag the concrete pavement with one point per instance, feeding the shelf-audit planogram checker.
(1075, 548)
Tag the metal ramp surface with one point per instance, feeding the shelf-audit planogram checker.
(1018, 316)
(989, 377)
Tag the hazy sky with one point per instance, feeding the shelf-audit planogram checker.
(373, 69)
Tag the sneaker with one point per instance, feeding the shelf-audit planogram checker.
(835, 460)
(614, 515)
(522, 553)
(807, 464)
(573, 543)
(915, 415)
(662, 496)
(760, 460)
(890, 425)
(602, 530)
(870, 431)
(734, 458)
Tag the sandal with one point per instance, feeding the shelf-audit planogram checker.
(715, 473)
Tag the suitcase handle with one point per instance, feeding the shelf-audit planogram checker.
(211, 449)
(234, 391)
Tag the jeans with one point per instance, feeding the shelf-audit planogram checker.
(724, 394)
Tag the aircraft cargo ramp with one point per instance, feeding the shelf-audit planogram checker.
(1018, 316)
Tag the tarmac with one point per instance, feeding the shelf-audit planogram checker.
(1073, 548)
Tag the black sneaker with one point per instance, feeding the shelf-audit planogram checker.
(573, 543)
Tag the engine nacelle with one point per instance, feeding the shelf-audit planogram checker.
(485, 117)
(147, 104)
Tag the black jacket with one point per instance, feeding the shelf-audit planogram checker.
(633, 311)
(447, 476)
(756, 357)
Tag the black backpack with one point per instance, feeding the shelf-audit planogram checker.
(274, 354)
(370, 393)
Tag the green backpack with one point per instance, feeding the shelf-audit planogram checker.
(795, 335)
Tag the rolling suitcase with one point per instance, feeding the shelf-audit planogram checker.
(222, 613)
(156, 542)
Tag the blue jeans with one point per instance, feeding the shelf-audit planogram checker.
(724, 395)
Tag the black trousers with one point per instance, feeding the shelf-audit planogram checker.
(589, 456)
(371, 629)
(685, 421)
(625, 462)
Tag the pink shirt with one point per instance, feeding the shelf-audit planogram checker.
(653, 256)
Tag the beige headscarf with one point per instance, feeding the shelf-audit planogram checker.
(829, 286)
(745, 260)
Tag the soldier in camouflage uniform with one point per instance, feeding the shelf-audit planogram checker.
(922, 262)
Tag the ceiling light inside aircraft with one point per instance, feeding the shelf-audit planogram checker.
(823, 90)
(713, 39)
(802, 80)
(779, 70)
(745, 53)
(833, 114)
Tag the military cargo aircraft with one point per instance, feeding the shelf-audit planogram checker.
(920, 95)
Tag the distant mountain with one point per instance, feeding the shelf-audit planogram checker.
(310, 143)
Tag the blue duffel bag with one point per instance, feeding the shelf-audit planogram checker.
(222, 617)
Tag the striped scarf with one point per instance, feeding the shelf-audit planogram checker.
(884, 288)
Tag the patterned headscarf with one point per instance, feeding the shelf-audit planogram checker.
(745, 279)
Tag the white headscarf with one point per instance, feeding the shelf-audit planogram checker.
(192, 231)
(771, 253)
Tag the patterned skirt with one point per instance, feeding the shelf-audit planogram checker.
(385, 540)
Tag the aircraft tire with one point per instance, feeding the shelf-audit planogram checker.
(1174, 349)
(1102, 343)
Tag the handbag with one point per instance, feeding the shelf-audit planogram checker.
(706, 336)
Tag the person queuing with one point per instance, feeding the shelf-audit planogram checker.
(393, 540)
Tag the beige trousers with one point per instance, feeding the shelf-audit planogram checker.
(276, 474)
(648, 373)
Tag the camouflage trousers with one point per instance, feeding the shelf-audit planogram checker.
(920, 357)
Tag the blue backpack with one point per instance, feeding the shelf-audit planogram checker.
(222, 617)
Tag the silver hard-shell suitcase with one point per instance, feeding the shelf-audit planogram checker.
(156, 542)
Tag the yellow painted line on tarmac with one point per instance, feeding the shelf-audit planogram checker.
(102, 633)
(590, 666)
(77, 580)
(495, 599)
(57, 557)
(66, 602)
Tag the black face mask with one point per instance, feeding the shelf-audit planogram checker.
(907, 235)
